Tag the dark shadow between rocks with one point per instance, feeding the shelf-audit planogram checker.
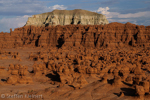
(128, 91)
(37, 41)
(4, 80)
(60, 41)
(118, 94)
(54, 77)
(71, 86)
(110, 81)
(127, 83)
(31, 71)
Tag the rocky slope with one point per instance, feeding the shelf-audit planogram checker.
(66, 17)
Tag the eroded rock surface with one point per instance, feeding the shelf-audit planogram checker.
(113, 35)
(66, 17)
(77, 62)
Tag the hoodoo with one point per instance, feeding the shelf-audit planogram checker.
(66, 17)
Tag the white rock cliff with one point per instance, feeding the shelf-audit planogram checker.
(66, 17)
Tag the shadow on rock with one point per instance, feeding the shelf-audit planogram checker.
(54, 77)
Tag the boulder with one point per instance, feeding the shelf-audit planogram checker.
(140, 91)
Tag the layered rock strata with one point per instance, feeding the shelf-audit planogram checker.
(92, 36)
(66, 17)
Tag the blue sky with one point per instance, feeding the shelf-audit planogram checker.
(14, 13)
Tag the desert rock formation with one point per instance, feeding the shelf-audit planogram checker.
(66, 17)
(19, 74)
(77, 62)
(113, 35)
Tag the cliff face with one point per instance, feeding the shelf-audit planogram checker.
(92, 36)
(66, 17)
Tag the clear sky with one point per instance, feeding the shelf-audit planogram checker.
(14, 13)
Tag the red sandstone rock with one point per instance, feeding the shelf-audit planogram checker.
(12, 79)
(121, 94)
(18, 74)
(140, 91)
(117, 81)
(129, 79)
(104, 78)
(137, 71)
(106, 36)
(145, 84)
